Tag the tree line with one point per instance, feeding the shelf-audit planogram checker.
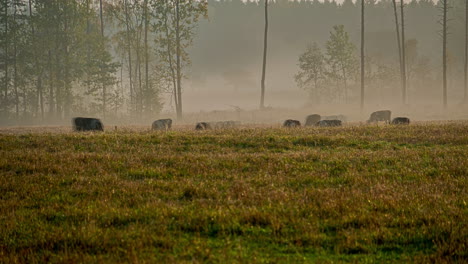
(60, 57)
(118, 57)
(295, 25)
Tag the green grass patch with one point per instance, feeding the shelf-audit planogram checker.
(251, 195)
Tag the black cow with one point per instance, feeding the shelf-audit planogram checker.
(162, 124)
(202, 126)
(291, 123)
(384, 115)
(87, 124)
(311, 120)
(400, 121)
(329, 123)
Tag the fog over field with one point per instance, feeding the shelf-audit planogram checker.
(233, 131)
(125, 70)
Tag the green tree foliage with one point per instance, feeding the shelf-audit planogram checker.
(318, 71)
(312, 71)
(135, 46)
(49, 51)
(341, 56)
(174, 25)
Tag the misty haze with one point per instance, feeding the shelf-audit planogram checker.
(233, 131)
(124, 70)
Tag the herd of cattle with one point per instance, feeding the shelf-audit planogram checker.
(338, 120)
(94, 124)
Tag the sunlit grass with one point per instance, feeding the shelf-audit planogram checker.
(366, 193)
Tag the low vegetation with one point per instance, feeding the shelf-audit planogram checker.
(247, 195)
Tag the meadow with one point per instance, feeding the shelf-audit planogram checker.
(360, 193)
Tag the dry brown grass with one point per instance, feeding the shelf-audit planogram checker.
(253, 194)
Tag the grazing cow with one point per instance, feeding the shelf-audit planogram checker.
(311, 120)
(162, 124)
(400, 121)
(291, 123)
(329, 123)
(384, 115)
(202, 126)
(342, 118)
(87, 124)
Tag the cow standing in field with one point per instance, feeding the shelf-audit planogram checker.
(400, 121)
(384, 115)
(291, 123)
(311, 120)
(162, 124)
(87, 124)
(202, 126)
(329, 123)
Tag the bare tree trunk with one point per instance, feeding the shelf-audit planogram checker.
(398, 41)
(132, 99)
(6, 52)
(403, 56)
(58, 77)
(147, 87)
(67, 82)
(444, 54)
(51, 85)
(15, 66)
(138, 71)
(362, 54)
(88, 48)
(104, 90)
(265, 43)
(41, 70)
(178, 66)
(169, 56)
(465, 97)
(58, 67)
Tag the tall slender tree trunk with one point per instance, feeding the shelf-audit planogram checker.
(444, 54)
(362, 54)
(138, 71)
(104, 88)
(51, 84)
(36, 65)
(7, 42)
(67, 82)
(169, 58)
(178, 66)
(403, 55)
(88, 46)
(465, 97)
(397, 27)
(147, 86)
(39, 89)
(265, 45)
(132, 97)
(57, 85)
(58, 67)
(15, 66)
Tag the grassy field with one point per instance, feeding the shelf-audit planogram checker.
(247, 195)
